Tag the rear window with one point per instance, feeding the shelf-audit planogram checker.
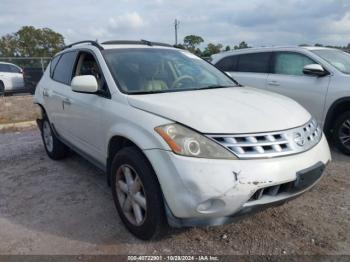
(5, 68)
(255, 62)
(64, 68)
(228, 64)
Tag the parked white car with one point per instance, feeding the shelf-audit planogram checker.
(11, 77)
(316, 77)
(181, 143)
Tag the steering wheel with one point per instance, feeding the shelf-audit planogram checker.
(180, 79)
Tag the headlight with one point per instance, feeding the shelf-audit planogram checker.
(186, 142)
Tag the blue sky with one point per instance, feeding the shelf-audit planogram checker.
(258, 22)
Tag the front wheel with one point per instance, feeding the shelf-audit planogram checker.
(341, 133)
(137, 194)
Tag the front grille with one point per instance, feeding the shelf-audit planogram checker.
(305, 179)
(273, 144)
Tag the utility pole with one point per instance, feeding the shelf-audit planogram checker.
(176, 24)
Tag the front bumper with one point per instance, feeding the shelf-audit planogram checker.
(213, 192)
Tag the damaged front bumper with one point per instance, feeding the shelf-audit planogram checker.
(214, 192)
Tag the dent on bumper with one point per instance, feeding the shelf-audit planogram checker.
(211, 192)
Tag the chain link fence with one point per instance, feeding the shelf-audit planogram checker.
(20, 75)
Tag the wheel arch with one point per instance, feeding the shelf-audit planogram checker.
(43, 114)
(115, 144)
(338, 107)
(3, 85)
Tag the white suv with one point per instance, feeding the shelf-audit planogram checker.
(316, 77)
(181, 143)
(11, 77)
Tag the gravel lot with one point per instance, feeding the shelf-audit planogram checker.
(65, 207)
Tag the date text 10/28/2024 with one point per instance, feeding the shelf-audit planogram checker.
(173, 258)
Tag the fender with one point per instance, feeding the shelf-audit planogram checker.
(143, 138)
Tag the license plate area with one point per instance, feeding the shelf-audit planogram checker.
(307, 177)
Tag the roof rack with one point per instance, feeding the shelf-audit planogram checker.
(94, 43)
(131, 42)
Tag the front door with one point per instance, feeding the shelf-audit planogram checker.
(85, 111)
(287, 78)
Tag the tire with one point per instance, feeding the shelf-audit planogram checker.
(153, 222)
(2, 89)
(54, 148)
(341, 133)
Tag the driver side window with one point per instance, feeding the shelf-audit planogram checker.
(287, 63)
(87, 65)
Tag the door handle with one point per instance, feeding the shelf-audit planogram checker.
(273, 83)
(66, 101)
(45, 93)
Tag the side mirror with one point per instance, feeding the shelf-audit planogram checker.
(315, 70)
(84, 84)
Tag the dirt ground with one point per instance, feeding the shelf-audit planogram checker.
(65, 207)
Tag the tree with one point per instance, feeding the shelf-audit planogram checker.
(192, 41)
(241, 45)
(180, 46)
(8, 45)
(212, 49)
(227, 48)
(31, 42)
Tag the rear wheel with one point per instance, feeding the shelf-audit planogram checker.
(137, 194)
(341, 134)
(54, 148)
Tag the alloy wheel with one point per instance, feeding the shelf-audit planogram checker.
(47, 135)
(344, 133)
(131, 195)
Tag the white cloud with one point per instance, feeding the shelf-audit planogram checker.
(259, 22)
(130, 20)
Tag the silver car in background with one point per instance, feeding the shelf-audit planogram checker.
(316, 77)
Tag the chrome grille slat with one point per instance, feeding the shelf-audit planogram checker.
(272, 144)
(255, 144)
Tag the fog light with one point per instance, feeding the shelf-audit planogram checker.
(210, 206)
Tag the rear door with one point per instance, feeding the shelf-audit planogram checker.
(17, 77)
(250, 69)
(287, 78)
(56, 94)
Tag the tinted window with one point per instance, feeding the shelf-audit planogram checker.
(255, 63)
(228, 63)
(15, 69)
(53, 64)
(290, 63)
(5, 68)
(63, 70)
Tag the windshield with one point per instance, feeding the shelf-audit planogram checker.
(337, 58)
(153, 70)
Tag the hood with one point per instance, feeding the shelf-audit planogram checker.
(225, 110)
